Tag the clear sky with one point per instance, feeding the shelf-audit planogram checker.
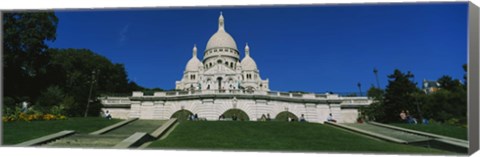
(307, 48)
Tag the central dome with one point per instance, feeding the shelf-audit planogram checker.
(221, 39)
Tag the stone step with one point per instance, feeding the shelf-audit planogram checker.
(86, 140)
(141, 125)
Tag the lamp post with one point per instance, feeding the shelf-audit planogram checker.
(375, 71)
(360, 88)
(90, 93)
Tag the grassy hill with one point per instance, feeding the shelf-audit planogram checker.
(281, 136)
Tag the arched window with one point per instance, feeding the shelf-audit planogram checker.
(219, 61)
(231, 65)
(210, 65)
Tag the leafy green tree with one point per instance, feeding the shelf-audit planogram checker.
(52, 96)
(446, 82)
(25, 58)
(76, 66)
(376, 110)
(132, 86)
(448, 103)
(399, 95)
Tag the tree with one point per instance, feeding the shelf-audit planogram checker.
(448, 103)
(76, 66)
(25, 58)
(376, 110)
(446, 82)
(399, 95)
(50, 97)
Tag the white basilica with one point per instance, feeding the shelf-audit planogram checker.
(222, 84)
(221, 68)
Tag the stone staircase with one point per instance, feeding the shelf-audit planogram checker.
(406, 136)
(110, 138)
(87, 140)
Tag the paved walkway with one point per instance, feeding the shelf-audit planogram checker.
(409, 137)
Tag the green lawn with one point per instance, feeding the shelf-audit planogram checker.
(20, 131)
(284, 136)
(440, 129)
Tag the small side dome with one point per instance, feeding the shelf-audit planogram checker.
(194, 63)
(248, 63)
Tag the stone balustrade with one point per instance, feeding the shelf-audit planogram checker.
(274, 94)
(271, 93)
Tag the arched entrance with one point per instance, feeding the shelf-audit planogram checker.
(283, 116)
(181, 115)
(241, 115)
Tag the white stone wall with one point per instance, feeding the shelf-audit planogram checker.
(120, 113)
(349, 115)
(211, 109)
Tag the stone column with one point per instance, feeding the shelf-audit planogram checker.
(135, 109)
(159, 110)
(147, 109)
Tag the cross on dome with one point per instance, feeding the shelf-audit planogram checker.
(194, 50)
(221, 22)
(247, 49)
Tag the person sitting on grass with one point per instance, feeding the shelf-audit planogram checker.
(108, 115)
(195, 117)
(411, 119)
(330, 118)
(403, 116)
(424, 121)
(263, 118)
(190, 117)
(302, 118)
(222, 117)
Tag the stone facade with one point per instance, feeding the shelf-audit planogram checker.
(221, 68)
(210, 105)
(222, 82)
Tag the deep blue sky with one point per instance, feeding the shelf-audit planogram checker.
(308, 48)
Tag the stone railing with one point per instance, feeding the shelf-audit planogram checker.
(243, 92)
(114, 100)
(274, 94)
(357, 101)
